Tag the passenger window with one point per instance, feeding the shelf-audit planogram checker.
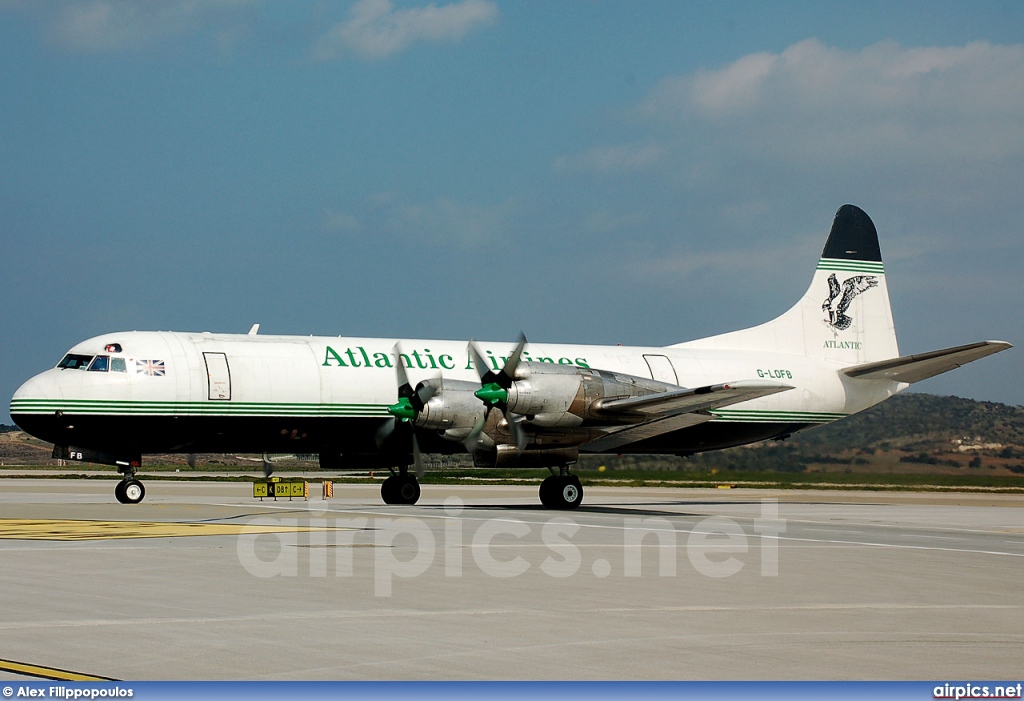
(100, 364)
(117, 365)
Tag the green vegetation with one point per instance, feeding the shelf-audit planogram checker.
(912, 421)
(739, 478)
(621, 478)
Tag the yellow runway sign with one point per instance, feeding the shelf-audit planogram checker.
(57, 529)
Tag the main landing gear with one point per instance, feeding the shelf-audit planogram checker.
(400, 488)
(129, 490)
(562, 491)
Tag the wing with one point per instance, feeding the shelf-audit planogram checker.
(670, 411)
(913, 368)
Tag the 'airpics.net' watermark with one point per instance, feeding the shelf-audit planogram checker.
(503, 548)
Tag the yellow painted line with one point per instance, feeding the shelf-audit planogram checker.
(32, 670)
(57, 529)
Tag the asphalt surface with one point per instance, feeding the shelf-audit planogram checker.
(201, 581)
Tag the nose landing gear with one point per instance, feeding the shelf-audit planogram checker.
(129, 490)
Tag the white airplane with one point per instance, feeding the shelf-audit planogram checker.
(376, 403)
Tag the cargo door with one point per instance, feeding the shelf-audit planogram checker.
(218, 376)
(661, 369)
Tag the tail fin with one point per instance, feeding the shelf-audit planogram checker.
(843, 316)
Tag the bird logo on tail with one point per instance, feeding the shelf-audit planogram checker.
(841, 297)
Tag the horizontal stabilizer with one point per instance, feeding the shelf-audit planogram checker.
(695, 399)
(914, 368)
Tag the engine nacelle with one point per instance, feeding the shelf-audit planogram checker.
(564, 396)
(453, 410)
(507, 457)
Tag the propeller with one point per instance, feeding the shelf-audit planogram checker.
(472, 441)
(494, 385)
(494, 388)
(404, 412)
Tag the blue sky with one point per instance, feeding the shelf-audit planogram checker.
(598, 172)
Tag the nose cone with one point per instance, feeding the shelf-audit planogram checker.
(35, 400)
(39, 389)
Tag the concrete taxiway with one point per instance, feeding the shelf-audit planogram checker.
(201, 581)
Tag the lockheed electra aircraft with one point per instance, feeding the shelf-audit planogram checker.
(363, 403)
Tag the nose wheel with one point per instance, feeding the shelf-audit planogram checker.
(129, 490)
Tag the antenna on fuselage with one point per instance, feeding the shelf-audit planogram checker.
(254, 330)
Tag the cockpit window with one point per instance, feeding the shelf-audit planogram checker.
(118, 365)
(73, 361)
(100, 364)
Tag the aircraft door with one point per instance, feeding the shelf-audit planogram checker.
(661, 369)
(218, 375)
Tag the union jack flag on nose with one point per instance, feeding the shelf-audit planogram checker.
(153, 368)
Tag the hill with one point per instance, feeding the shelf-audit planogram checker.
(921, 422)
(908, 433)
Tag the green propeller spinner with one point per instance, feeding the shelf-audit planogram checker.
(403, 409)
(491, 394)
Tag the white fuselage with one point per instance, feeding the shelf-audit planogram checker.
(296, 385)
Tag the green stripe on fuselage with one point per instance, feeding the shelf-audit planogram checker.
(211, 407)
(763, 416)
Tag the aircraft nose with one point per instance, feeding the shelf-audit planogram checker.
(38, 387)
(35, 395)
(32, 406)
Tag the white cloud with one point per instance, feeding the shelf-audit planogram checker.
(813, 102)
(375, 29)
(612, 159)
(443, 221)
(728, 265)
(758, 153)
(604, 222)
(735, 87)
(114, 25)
(340, 222)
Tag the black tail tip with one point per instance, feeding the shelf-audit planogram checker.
(853, 236)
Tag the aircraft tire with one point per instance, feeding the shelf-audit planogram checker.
(400, 489)
(570, 492)
(119, 492)
(133, 491)
(389, 490)
(548, 489)
(408, 489)
(563, 493)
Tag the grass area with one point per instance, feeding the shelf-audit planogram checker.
(740, 478)
(617, 478)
